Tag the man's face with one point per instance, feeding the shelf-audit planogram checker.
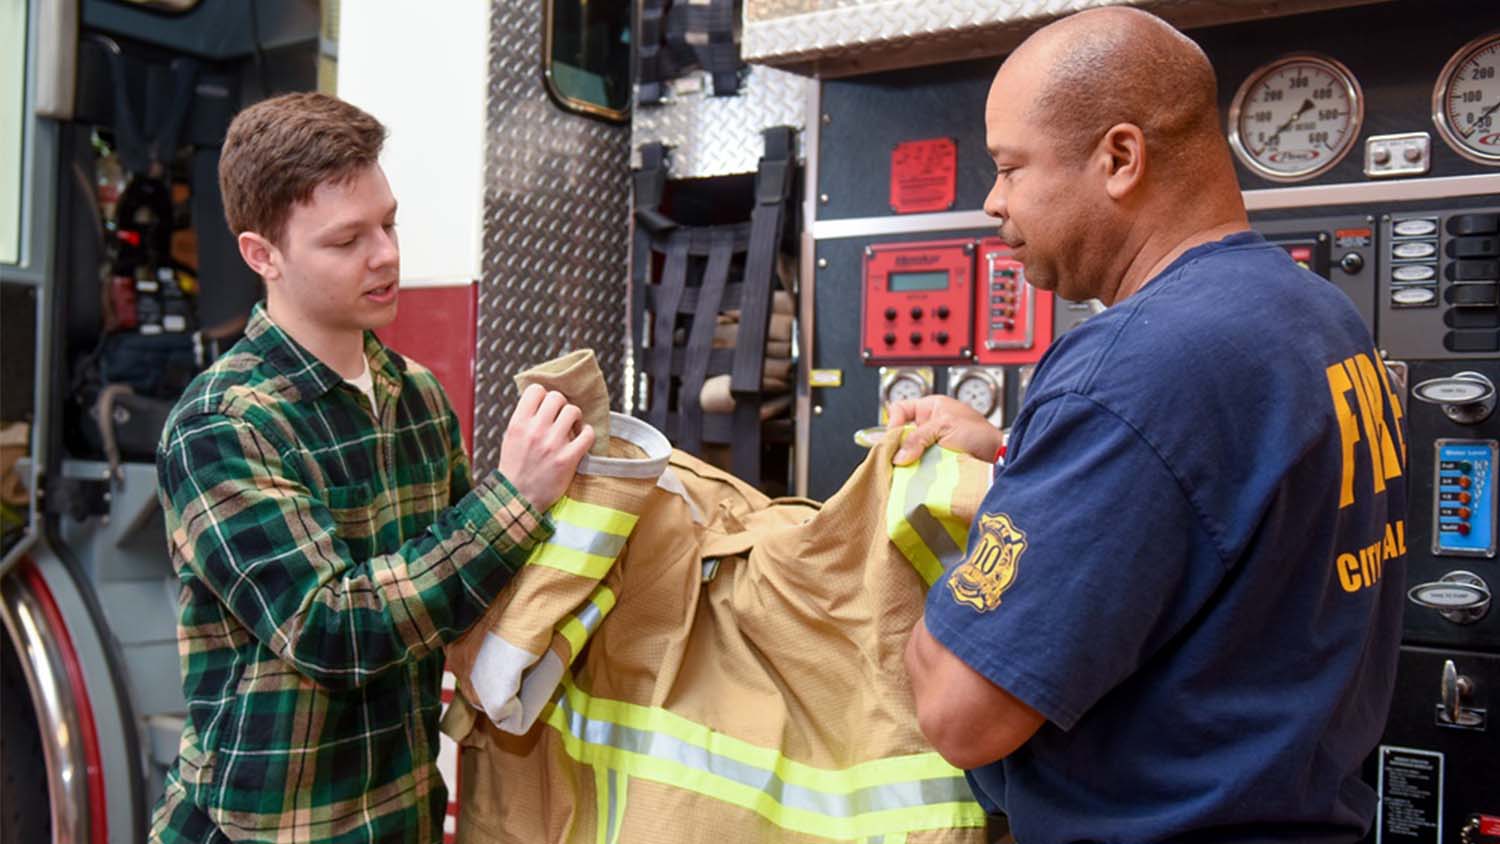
(1041, 197)
(338, 259)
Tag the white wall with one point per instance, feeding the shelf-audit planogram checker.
(420, 69)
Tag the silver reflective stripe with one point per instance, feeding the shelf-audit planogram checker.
(587, 540)
(880, 798)
(590, 616)
(921, 519)
(609, 830)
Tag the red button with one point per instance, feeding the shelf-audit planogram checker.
(1463, 513)
(1463, 498)
(1464, 481)
(1463, 528)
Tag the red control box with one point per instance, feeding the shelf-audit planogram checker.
(1013, 320)
(918, 302)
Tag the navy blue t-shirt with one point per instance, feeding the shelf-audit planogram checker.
(1192, 564)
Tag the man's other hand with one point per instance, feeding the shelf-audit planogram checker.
(945, 421)
(542, 445)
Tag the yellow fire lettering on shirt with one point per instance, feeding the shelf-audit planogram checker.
(1401, 536)
(1390, 542)
(1370, 413)
(1339, 386)
(1370, 377)
(1348, 569)
(1394, 404)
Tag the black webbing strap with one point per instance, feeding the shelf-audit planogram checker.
(653, 63)
(701, 338)
(169, 93)
(664, 324)
(648, 183)
(773, 184)
(704, 31)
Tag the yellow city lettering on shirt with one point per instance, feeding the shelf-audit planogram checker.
(1364, 567)
(1370, 387)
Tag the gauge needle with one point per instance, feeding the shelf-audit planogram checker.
(1307, 104)
(1486, 113)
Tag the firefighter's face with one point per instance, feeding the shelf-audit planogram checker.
(337, 263)
(1044, 199)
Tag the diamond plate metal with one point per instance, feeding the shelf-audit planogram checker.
(719, 136)
(556, 230)
(841, 37)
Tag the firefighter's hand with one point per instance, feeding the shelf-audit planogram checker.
(945, 421)
(542, 445)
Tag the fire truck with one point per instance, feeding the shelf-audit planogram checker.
(802, 177)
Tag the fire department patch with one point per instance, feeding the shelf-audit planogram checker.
(979, 581)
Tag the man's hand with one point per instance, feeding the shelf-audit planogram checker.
(945, 421)
(542, 445)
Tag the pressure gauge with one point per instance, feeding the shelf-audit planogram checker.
(903, 384)
(982, 388)
(1466, 101)
(1296, 117)
(978, 392)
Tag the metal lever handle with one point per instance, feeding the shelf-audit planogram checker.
(1462, 597)
(1467, 398)
(1456, 687)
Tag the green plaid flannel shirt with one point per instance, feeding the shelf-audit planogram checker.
(324, 559)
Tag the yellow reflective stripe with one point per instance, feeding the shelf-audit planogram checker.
(576, 628)
(906, 771)
(602, 813)
(940, 498)
(621, 792)
(593, 516)
(902, 533)
(581, 563)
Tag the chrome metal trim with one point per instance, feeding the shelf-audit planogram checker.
(1351, 89)
(1349, 193)
(57, 706)
(905, 224)
(1439, 114)
(807, 288)
(1306, 196)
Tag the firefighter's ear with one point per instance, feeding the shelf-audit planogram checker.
(259, 254)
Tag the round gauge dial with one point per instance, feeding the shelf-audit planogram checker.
(1466, 101)
(1296, 117)
(905, 387)
(978, 392)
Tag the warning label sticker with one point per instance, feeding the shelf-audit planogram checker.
(923, 175)
(1411, 796)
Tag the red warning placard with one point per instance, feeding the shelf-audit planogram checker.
(923, 175)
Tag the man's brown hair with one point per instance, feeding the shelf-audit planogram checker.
(279, 150)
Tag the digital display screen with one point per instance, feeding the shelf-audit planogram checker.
(910, 282)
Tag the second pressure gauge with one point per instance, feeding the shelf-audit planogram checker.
(1466, 101)
(1296, 117)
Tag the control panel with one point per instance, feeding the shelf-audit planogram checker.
(1438, 284)
(919, 302)
(1014, 318)
(1464, 504)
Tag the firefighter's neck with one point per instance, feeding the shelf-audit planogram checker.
(342, 349)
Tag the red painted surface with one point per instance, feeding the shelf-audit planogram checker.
(924, 175)
(93, 761)
(436, 327)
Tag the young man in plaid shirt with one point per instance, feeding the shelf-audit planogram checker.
(322, 523)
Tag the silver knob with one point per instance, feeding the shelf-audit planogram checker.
(1462, 597)
(1467, 398)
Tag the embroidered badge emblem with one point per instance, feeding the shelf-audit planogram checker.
(979, 581)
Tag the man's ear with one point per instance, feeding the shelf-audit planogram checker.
(1122, 152)
(260, 254)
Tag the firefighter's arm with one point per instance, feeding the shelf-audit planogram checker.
(969, 720)
(241, 516)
